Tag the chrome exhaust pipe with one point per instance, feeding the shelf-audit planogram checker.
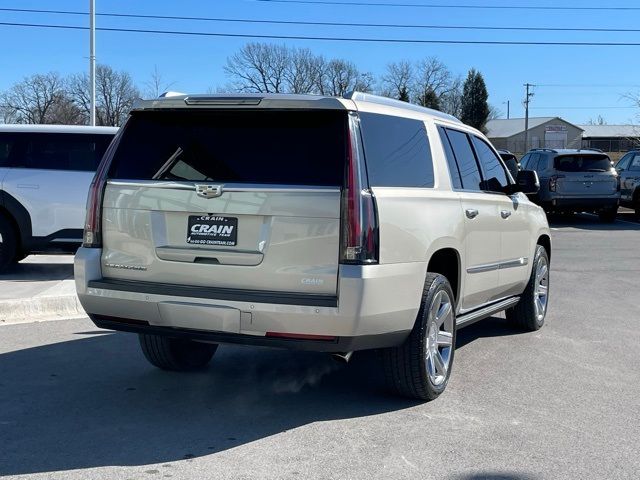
(342, 357)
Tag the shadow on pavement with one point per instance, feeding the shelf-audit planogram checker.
(489, 327)
(584, 221)
(96, 402)
(30, 272)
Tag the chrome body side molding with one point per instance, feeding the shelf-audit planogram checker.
(518, 262)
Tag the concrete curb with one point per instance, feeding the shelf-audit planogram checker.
(40, 308)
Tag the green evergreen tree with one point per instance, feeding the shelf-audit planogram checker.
(475, 108)
(430, 99)
(404, 94)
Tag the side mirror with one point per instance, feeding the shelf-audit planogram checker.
(527, 182)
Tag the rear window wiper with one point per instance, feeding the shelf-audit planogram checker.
(595, 170)
(168, 165)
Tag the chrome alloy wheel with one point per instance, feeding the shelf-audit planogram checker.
(541, 291)
(439, 343)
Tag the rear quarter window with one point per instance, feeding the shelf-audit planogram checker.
(60, 151)
(7, 141)
(397, 151)
(240, 146)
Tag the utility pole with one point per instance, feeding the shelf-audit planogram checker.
(527, 100)
(92, 61)
(508, 103)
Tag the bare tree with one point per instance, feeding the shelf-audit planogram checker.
(115, 94)
(259, 68)
(432, 77)
(398, 80)
(64, 111)
(365, 82)
(7, 115)
(156, 85)
(341, 77)
(303, 74)
(598, 121)
(451, 101)
(32, 100)
(494, 113)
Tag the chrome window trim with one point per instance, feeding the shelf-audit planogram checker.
(226, 187)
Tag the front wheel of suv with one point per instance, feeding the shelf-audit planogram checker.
(530, 312)
(421, 366)
(174, 353)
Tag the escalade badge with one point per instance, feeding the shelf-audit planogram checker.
(208, 191)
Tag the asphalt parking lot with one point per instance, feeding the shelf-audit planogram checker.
(562, 403)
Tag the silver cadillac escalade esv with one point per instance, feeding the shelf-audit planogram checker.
(308, 222)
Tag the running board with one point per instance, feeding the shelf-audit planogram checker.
(473, 317)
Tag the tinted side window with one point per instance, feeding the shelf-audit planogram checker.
(61, 151)
(397, 151)
(494, 173)
(469, 172)
(456, 181)
(623, 163)
(635, 163)
(532, 164)
(543, 163)
(7, 144)
(524, 162)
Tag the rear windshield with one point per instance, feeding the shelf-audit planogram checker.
(260, 147)
(583, 163)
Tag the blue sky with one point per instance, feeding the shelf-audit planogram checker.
(603, 74)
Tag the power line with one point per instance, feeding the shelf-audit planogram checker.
(322, 38)
(581, 108)
(457, 6)
(584, 85)
(329, 24)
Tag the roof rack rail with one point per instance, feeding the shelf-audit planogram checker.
(543, 150)
(391, 102)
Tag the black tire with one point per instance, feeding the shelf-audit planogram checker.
(405, 366)
(8, 243)
(609, 215)
(176, 354)
(524, 314)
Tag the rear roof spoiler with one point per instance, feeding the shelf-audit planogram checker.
(173, 100)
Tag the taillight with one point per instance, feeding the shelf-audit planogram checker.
(553, 182)
(359, 243)
(92, 230)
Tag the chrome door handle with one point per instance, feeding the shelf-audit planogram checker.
(471, 212)
(505, 214)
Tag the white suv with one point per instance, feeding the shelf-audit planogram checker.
(327, 224)
(45, 173)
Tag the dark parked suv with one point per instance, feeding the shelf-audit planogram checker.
(575, 181)
(629, 171)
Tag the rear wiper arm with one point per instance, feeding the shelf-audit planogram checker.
(595, 170)
(168, 165)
